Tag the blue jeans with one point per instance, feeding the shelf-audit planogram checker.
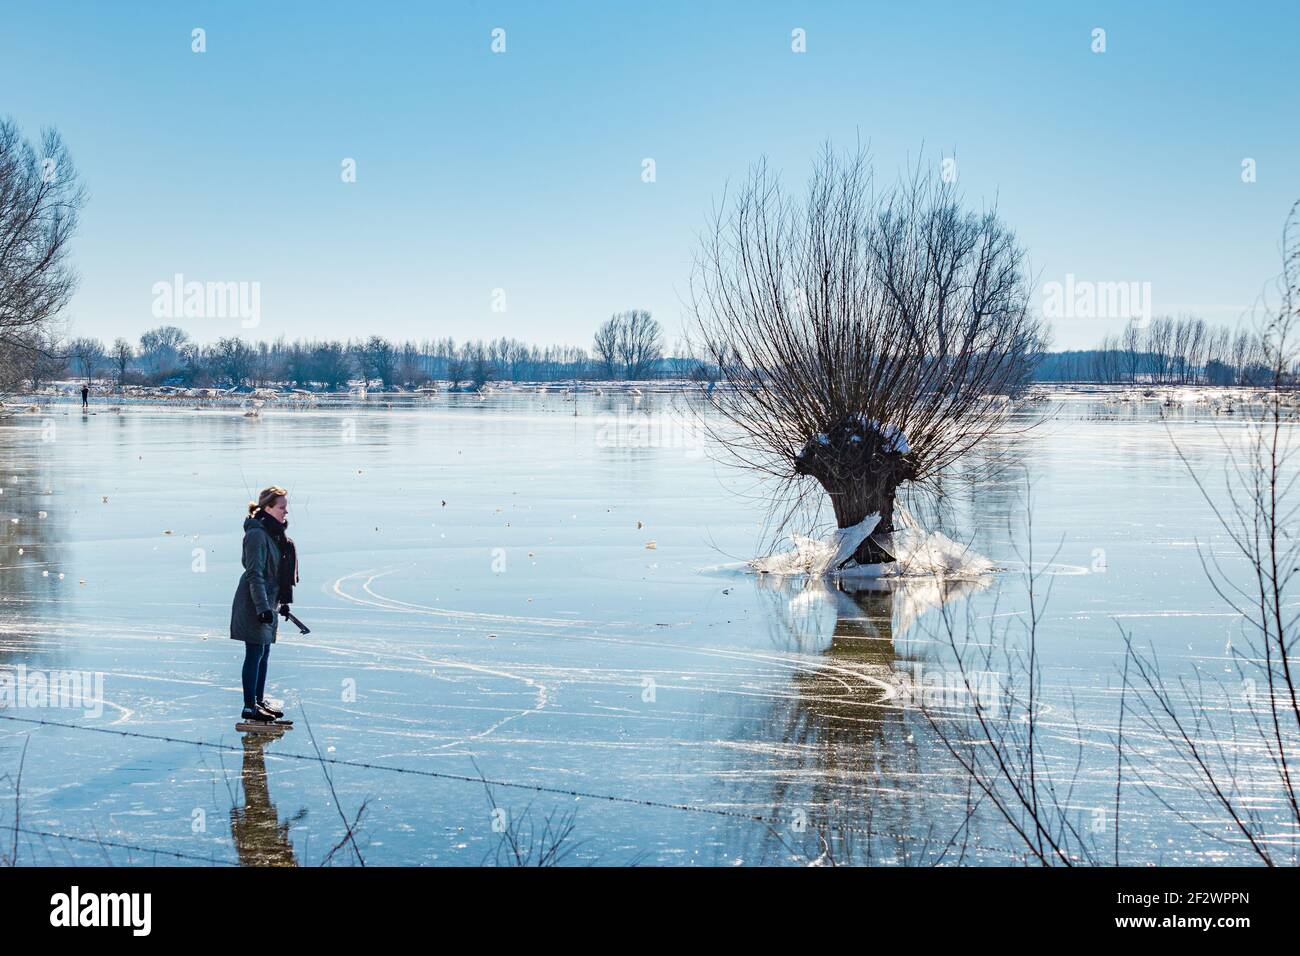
(255, 658)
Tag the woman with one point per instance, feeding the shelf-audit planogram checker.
(270, 572)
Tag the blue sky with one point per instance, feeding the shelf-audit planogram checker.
(522, 171)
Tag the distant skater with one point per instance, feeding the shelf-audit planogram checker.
(85, 397)
(270, 572)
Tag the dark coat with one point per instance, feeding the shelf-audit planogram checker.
(258, 587)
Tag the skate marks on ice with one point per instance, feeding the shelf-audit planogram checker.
(710, 735)
(100, 685)
(596, 665)
(711, 732)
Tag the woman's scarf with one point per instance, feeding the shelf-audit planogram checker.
(288, 555)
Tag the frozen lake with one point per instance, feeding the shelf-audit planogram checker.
(484, 601)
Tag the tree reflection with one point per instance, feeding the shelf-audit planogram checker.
(861, 779)
(33, 531)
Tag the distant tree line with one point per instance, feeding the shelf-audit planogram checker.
(1164, 351)
(40, 200)
(629, 345)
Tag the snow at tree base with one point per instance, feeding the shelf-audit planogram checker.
(916, 553)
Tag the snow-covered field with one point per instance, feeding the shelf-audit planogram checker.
(560, 604)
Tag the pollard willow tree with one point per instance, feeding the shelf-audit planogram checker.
(862, 340)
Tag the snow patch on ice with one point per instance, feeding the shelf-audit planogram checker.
(916, 552)
(814, 556)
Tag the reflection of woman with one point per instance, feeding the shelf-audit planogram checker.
(270, 572)
(260, 838)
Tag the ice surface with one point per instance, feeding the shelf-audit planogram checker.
(501, 606)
